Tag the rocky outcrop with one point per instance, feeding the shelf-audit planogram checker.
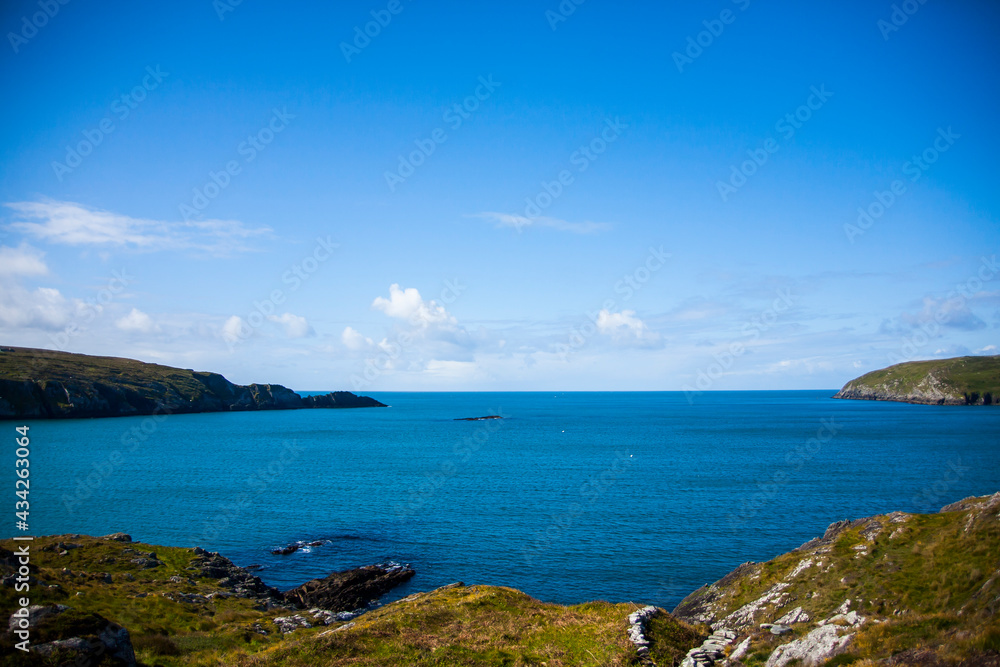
(237, 579)
(958, 381)
(58, 630)
(349, 590)
(42, 384)
(812, 604)
(712, 650)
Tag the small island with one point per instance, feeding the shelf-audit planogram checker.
(957, 381)
(46, 384)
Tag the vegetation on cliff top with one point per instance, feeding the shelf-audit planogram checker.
(958, 381)
(37, 383)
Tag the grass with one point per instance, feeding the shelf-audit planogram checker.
(474, 625)
(934, 586)
(969, 378)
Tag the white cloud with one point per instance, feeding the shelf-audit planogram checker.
(989, 349)
(520, 222)
(69, 223)
(42, 308)
(295, 326)
(234, 329)
(410, 306)
(953, 313)
(353, 340)
(624, 327)
(137, 322)
(21, 261)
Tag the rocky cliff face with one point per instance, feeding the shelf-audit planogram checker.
(928, 391)
(41, 384)
(958, 381)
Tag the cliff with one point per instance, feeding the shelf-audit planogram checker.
(958, 381)
(45, 384)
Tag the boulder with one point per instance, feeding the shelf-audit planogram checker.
(350, 589)
(815, 648)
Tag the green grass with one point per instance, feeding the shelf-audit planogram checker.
(972, 377)
(935, 585)
(475, 625)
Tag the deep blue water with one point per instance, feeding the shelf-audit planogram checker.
(573, 497)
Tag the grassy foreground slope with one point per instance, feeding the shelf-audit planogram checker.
(958, 381)
(894, 589)
(174, 616)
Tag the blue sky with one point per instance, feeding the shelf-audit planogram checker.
(626, 197)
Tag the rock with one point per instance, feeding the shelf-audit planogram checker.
(92, 636)
(818, 646)
(740, 650)
(794, 616)
(638, 620)
(350, 589)
(780, 629)
(242, 583)
(284, 551)
(36, 613)
(288, 624)
(119, 537)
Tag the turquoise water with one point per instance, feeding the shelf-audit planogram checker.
(572, 497)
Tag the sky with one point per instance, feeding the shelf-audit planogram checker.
(513, 196)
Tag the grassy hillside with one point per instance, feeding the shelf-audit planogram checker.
(894, 589)
(44, 384)
(924, 589)
(958, 381)
(176, 617)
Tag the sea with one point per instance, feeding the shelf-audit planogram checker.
(571, 497)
